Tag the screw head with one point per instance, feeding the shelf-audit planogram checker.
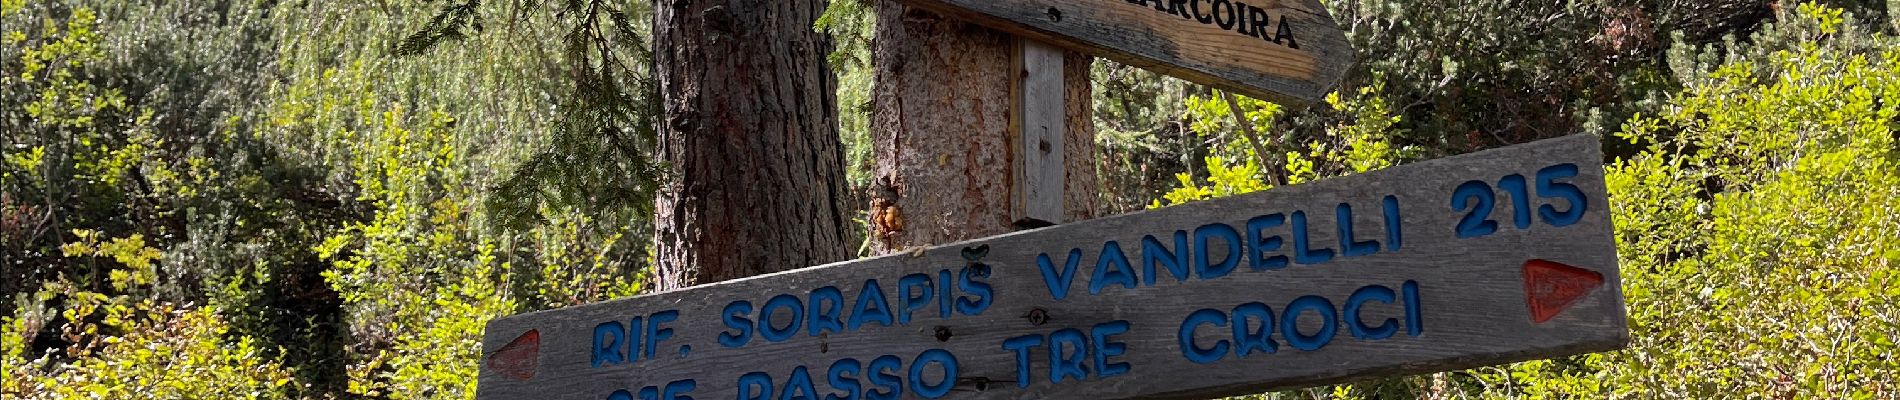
(1037, 316)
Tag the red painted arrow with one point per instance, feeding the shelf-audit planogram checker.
(519, 358)
(1552, 287)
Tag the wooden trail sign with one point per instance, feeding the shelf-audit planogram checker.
(1487, 258)
(1286, 51)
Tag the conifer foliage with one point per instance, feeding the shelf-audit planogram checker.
(313, 199)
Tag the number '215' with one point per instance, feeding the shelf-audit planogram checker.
(1477, 199)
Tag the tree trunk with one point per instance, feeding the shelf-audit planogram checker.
(940, 126)
(750, 132)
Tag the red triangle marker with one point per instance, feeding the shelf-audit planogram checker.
(519, 358)
(1551, 287)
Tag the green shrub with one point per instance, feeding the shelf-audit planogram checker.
(259, 159)
(1756, 232)
(130, 346)
(167, 353)
(1358, 144)
(258, 200)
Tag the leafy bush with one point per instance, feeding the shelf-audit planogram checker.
(1355, 145)
(417, 283)
(167, 353)
(260, 200)
(275, 191)
(130, 346)
(1756, 231)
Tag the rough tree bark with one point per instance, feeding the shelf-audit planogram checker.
(941, 128)
(750, 131)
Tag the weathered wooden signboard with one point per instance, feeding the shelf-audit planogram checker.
(1287, 51)
(1487, 258)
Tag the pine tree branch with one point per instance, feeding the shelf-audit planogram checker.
(1275, 175)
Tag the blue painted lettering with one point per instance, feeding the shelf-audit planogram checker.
(677, 390)
(945, 361)
(769, 329)
(1477, 196)
(656, 330)
(1393, 235)
(931, 375)
(1290, 323)
(1192, 350)
(945, 293)
(634, 331)
(1357, 323)
(1153, 252)
(891, 383)
(1259, 243)
(1022, 345)
(827, 310)
(915, 290)
(798, 386)
(843, 378)
(1548, 187)
(607, 337)
(1059, 281)
(1303, 252)
(736, 318)
(1073, 354)
(1520, 199)
(1347, 246)
(1204, 266)
(1064, 363)
(1247, 338)
(975, 283)
(1414, 318)
(1253, 325)
(755, 386)
(872, 306)
(1106, 348)
(1112, 268)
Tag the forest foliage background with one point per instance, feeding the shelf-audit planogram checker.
(289, 199)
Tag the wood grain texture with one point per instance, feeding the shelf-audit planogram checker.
(940, 129)
(1473, 300)
(1142, 35)
(1038, 121)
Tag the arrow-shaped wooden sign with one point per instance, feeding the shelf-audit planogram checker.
(1487, 258)
(1287, 51)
